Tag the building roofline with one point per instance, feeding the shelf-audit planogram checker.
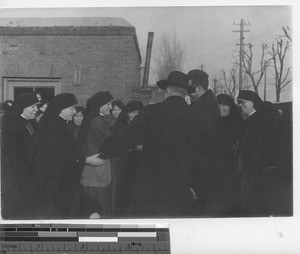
(75, 26)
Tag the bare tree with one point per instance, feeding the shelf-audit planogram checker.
(287, 33)
(231, 82)
(255, 75)
(278, 54)
(170, 55)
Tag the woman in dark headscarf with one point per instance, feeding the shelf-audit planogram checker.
(127, 169)
(117, 107)
(115, 112)
(18, 184)
(131, 109)
(95, 182)
(74, 125)
(55, 158)
(225, 181)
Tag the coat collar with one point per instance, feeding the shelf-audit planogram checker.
(175, 98)
(208, 95)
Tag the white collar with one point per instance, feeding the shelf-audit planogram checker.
(24, 117)
(252, 113)
(63, 118)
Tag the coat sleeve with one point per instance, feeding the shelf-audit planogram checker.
(97, 133)
(127, 137)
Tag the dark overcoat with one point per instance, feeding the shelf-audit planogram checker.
(19, 187)
(253, 165)
(226, 176)
(163, 177)
(207, 116)
(58, 165)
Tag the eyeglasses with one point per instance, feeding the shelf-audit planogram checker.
(240, 102)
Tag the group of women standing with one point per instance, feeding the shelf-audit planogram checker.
(50, 169)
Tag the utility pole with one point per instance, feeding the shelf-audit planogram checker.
(215, 86)
(265, 80)
(241, 31)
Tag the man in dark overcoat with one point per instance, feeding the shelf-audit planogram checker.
(205, 109)
(256, 157)
(18, 185)
(168, 131)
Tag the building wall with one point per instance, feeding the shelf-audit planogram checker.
(85, 64)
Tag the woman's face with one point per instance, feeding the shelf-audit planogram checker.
(78, 118)
(68, 113)
(105, 109)
(116, 111)
(224, 110)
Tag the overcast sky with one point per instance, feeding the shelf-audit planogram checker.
(206, 31)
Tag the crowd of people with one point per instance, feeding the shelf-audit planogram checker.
(205, 156)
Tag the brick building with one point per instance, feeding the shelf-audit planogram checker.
(78, 55)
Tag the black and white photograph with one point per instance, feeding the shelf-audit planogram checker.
(148, 112)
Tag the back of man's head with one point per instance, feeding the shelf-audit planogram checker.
(175, 90)
(198, 78)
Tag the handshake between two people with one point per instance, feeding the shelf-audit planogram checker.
(94, 160)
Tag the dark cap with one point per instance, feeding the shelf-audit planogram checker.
(225, 99)
(177, 79)
(63, 100)
(133, 106)
(198, 77)
(249, 96)
(26, 99)
(98, 100)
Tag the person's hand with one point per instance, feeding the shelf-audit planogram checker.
(94, 160)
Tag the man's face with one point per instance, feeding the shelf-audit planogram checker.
(30, 112)
(105, 109)
(245, 106)
(195, 96)
(68, 113)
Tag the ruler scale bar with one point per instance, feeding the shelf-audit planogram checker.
(84, 239)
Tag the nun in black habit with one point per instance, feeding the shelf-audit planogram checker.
(95, 189)
(56, 160)
(18, 183)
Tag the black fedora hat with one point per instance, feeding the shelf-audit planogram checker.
(178, 79)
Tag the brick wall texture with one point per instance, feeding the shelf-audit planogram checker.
(103, 62)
